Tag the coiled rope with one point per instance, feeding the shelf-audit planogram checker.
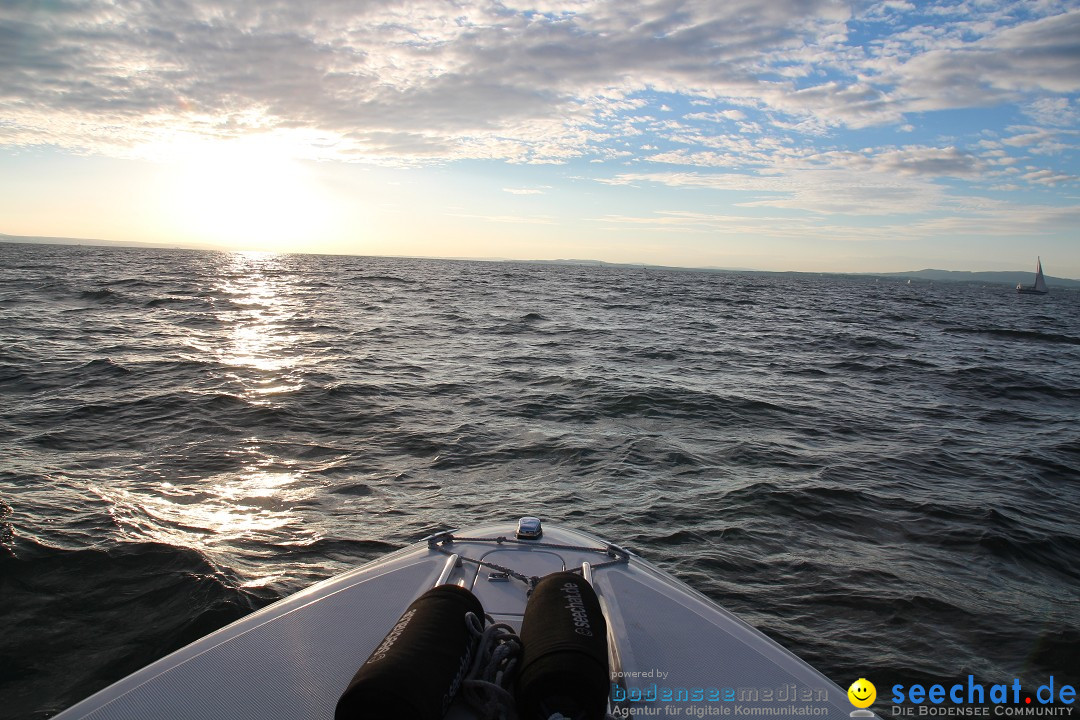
(487, 684)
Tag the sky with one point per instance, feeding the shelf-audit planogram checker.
(809, 135)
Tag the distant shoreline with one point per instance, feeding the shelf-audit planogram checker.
(1002, 277)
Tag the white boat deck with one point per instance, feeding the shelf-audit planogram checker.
(671, 646)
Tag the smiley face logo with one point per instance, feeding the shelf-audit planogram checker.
(862, 693)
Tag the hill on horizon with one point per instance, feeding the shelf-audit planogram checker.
(1004, 277)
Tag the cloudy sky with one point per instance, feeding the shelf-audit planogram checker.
(778, 134)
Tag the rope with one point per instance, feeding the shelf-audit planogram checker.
(436, 542)
(529, 580)
(486, 685)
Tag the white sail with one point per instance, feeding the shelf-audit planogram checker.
(1040, 282)
(1039, 288)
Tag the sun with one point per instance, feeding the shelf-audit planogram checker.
(250, 193)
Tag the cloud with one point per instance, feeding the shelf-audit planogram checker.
(1055, 112)
(682, 221)
(475, 71)
(818, 191)
(509, 219)
(977, 219)
(425, 81)
(1046, 177)
(914, 160)
(1041, 141)
(527, 191)
(1042, 55)
(837, 104)
(998, 219)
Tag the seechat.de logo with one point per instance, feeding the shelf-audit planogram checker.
(862, 694)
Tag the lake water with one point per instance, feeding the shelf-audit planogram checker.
(883, 477)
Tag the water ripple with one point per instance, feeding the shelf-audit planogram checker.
(882, 477)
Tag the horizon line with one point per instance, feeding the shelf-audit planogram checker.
(101, 242)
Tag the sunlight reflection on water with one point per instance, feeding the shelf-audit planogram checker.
(260, 339)
(253, 505)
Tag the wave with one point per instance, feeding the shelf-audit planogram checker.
(104, 294)
(191, 304)
(988, 381)
(392, 279)
(90, 597)
(1018, 335)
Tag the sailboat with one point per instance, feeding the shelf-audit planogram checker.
(1039, 288)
